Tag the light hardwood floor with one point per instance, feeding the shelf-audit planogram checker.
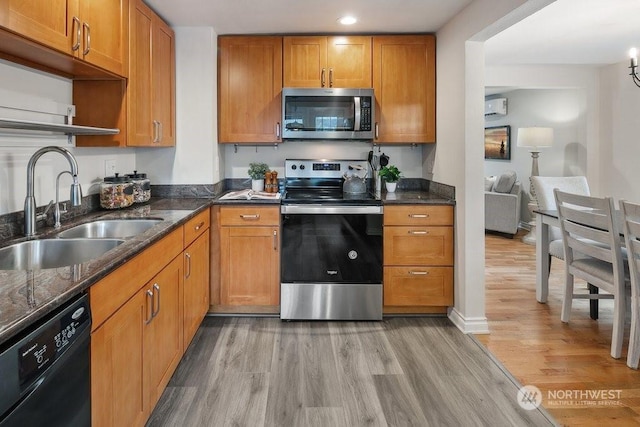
(398, 372)
(538, 349)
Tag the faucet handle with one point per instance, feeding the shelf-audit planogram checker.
(43, 215)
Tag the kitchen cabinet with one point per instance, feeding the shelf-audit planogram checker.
(321, 61)
(249, 89)
(249, 258)
(90, 30)
(404, 76)
(418, 258)
(196, 274)
(137, 336)
(151, 89)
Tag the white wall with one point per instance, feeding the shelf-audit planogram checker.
(620, 134)
(15, 150)
(195, 158)
(564, 110)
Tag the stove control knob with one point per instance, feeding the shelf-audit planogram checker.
(301, 167)
(294, 167)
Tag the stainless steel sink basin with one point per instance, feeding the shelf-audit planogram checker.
(110, 228)
(53, 253)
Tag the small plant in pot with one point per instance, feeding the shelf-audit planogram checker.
(391, 175)
(256, 172)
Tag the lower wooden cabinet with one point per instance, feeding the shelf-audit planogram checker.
(249, 258)
(418, 258)
(144, 316)
(196, 285)
(136, 350)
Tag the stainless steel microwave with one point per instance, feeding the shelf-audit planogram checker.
(328, 113)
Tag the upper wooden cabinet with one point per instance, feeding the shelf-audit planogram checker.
(144, 107)
(151, 89)
(249, 89)
(95, 31)
(321, 61)
(404, 82)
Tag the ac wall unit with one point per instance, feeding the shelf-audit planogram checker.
(495, 107)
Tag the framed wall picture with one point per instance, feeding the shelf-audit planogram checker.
(497, 142)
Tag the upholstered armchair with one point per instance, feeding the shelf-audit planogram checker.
(502, 203)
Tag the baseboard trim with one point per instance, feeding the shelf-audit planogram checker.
(470, 325)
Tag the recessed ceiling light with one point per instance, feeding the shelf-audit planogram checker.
(347, 20)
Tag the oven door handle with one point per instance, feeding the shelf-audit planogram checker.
(330, 210)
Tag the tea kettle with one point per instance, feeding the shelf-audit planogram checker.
(353, 183)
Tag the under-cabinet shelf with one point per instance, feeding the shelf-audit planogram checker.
(55, 127)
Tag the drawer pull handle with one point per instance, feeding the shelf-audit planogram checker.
(188, 257)
(275, 240)
(156, 291)
(418, 216)
(149, 296)
(418, 232)
(419, 273)
(251, 217)
(197, 227)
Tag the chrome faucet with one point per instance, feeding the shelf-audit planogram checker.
(30, 200)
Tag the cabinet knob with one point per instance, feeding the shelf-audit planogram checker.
(197, 227)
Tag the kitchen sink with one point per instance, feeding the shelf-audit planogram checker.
(53, 253)
(110, 228)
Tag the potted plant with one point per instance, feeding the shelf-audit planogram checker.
(256, 172)
(391, 175)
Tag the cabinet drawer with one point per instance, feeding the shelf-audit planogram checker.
(249, 215)
(418, 215)
(196, 226)
(418, 286)
(418, 246)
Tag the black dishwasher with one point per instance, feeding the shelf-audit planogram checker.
(46, 372)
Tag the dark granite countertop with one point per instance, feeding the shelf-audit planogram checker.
(413, 197)
(28, 295)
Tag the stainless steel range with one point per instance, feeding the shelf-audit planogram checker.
(331, 259)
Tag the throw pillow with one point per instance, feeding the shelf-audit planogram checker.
(489, 182)
(505, 182)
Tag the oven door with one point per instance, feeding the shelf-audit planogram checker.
(331, 262)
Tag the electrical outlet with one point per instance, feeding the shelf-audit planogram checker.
(109, 167)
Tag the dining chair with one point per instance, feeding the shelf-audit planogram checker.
(543, 187)
(631, 230)
(592, 249)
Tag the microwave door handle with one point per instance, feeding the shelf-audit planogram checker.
(356, 103)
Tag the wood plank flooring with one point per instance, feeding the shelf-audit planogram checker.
(538, 349)
(399, 372)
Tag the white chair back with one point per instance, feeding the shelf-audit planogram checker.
(592, 249)
(631, 230)
(543, 187)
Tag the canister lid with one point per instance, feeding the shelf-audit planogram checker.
(137, 175)
(116, 179)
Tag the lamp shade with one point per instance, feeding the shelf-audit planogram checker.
(535, 137)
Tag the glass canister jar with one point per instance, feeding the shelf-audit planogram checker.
(116, 192)
(141, 187)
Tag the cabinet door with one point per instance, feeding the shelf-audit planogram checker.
(349, 61)
(105, 32)
(163, 333)
(418, 246)
(404, 83)
(320, 61)
(151, 91)
(250, 266)
(164, 81)
(418, 286)
(49, 22)
(196, 285)
(305, 61)
(117, 367)
(249, 89)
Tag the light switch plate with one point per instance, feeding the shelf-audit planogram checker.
(109, 167)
